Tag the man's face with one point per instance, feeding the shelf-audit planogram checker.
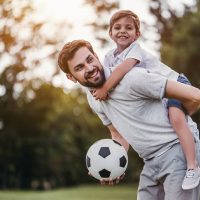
(85, 68)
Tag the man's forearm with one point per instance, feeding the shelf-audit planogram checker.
(117, 136)
(188, 95)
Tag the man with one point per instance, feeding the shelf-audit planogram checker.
(136, 114)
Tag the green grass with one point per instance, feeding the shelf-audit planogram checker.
(117, 192)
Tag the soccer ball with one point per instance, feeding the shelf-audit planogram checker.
(106, 159)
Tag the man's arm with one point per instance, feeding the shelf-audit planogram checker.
(117, 136)
(188, 95)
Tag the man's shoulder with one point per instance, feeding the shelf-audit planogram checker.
(136, 74)
(135, 71)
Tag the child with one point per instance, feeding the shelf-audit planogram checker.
(124, 31)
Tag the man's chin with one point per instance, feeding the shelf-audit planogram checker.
(94, 85)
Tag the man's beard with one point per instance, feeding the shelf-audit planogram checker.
(96, 84)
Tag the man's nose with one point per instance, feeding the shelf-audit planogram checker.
(89, 67)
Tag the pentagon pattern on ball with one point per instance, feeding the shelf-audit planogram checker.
(104, 173)
(123, 161)
(106, 159)
(104, 152)
(88, 161)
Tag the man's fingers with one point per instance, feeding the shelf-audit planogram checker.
(110, 182)
(102, 182)
(117, 180)
(122, 176)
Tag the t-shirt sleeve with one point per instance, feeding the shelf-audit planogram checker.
(103, 118)
(135, 52)
(147, 85)
(96, 109)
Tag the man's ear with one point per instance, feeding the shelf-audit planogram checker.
(71, 78)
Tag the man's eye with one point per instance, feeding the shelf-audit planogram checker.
(90, 59)
(78, 68)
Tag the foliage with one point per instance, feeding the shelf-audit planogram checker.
(100, 23)
(30, 153)
(179, 36)
(44, 139)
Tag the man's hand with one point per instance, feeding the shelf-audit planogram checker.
(112, 182)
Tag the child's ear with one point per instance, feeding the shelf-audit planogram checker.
(110, 34)
(138, 34)
(71, 78)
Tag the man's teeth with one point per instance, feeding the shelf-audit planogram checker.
(93, 75)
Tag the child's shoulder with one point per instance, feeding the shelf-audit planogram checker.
(110, 52)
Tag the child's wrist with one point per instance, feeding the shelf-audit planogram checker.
(106, 89)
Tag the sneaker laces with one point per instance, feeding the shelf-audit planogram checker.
(190, 173)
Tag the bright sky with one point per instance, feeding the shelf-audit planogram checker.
(77, 13)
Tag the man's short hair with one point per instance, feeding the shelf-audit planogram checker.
(68, 52)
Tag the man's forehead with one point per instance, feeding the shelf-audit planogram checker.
(82, 53)
(80, 56)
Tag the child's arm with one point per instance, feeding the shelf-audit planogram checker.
(115, 78)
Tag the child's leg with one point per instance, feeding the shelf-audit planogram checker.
(178, 121)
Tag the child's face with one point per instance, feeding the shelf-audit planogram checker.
(123, 32)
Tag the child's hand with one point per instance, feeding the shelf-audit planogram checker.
(100, 94)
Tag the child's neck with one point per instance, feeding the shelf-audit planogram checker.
(120, 49)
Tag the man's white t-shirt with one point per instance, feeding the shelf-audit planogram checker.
(136, 110)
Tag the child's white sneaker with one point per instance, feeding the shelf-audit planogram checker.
(191, 179)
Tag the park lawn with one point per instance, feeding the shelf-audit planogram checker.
(94, 192)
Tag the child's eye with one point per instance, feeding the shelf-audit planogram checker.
(116, 28)
(129, 28)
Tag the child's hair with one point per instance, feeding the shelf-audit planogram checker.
(68, 52)
(125, 13)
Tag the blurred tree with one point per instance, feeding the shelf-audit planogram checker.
(100, 23)
(179, 38)
(46, 138)
(24, 46)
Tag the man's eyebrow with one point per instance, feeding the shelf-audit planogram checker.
(81, 64)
